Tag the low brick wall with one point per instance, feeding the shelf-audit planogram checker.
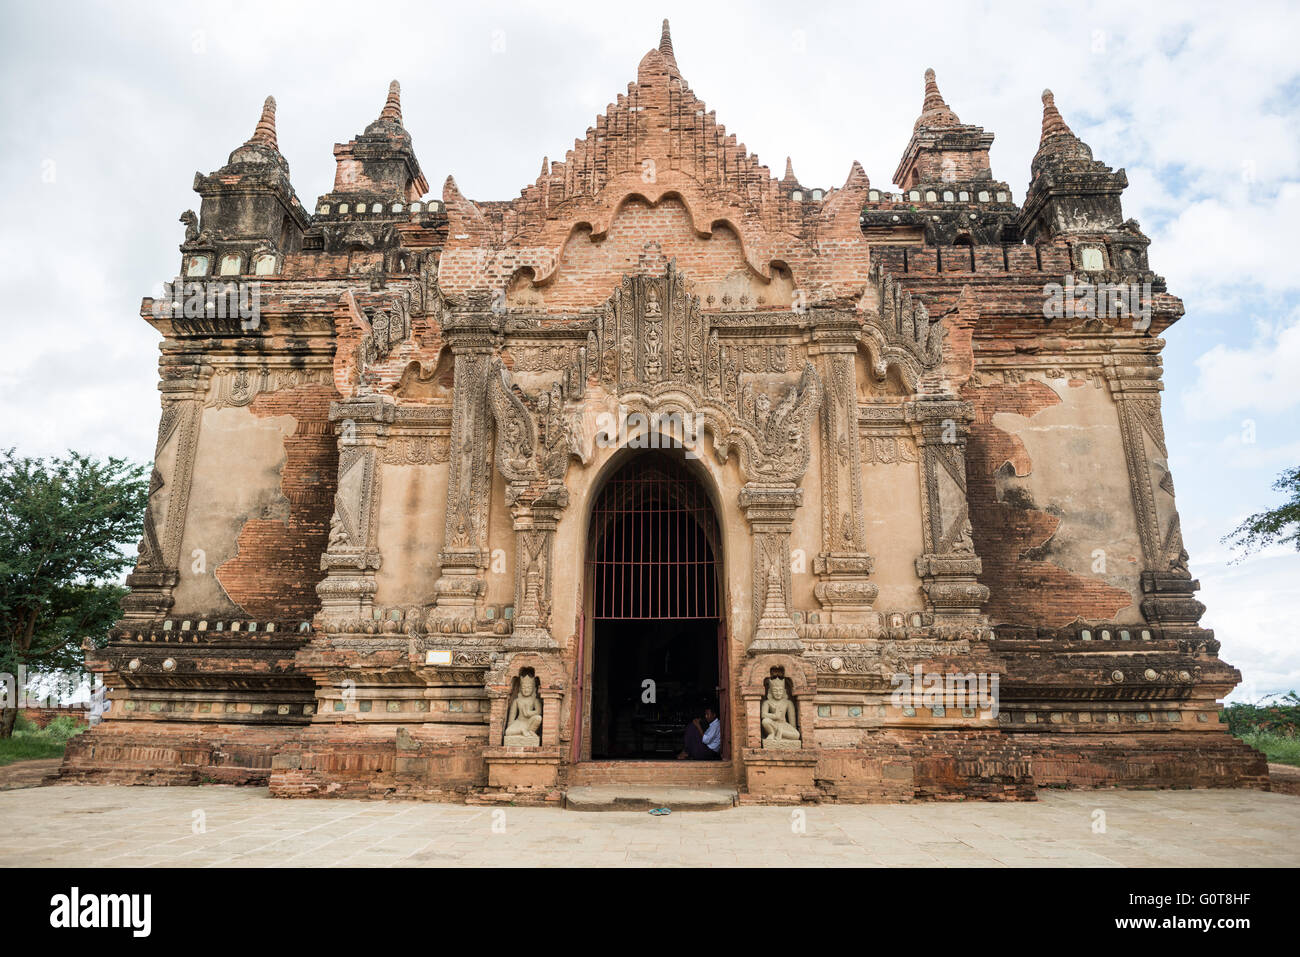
(43, 716)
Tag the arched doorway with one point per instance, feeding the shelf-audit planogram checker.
(655, 608)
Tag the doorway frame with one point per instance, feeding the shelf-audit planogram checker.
(583, 670)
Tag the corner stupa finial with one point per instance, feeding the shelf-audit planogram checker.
(666, 47)
(1053, 123)
(935, 111)
(264, 133)
(392, 110)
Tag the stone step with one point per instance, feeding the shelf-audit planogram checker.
(653, 773)
(642, 798)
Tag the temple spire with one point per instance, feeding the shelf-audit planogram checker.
(666, 48)
(789, 179)
(1053, 123)
(933, 98)
(264, 133)
(935, 111)
(393, 106)
(1071, 193)
(1058, 146)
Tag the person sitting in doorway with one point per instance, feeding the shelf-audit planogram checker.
(703, 738)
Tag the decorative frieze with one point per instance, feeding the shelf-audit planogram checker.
(237, 386)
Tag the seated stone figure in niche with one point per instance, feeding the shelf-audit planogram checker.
(525, 715)
(778, 717)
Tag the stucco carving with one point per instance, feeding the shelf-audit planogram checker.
(656, 351)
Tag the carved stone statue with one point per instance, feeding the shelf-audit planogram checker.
(525, 716)
(191, 225)
(779, 720)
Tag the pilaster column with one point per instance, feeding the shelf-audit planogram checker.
(153, 581)
(352, 556)
(535, 525)
(1167, 584)
(844, 566)
(464, 556)
(770, 510)
(949, 567)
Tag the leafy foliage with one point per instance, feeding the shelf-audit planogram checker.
(64, 525)
(1281, 524)
(30, 742)
(62, 728)
(1280, 716)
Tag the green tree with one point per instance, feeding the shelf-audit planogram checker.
(1281, 524)
(64, 525)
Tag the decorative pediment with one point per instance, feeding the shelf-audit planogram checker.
(535, 436)
(657, 145)
(654, 349)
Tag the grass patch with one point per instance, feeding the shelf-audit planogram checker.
(1279, 749)
(30, 743)
(29, 748)
(1271, 726)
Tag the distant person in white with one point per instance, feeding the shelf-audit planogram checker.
(703, 739)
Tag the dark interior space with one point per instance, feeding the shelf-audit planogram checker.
(632, 719)
(655, 608)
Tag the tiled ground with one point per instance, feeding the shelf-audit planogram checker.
(226, 826)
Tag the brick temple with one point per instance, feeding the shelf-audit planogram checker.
(482, 500)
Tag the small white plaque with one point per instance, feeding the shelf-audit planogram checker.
(437, 657)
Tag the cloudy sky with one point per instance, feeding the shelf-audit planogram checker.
(108, 110)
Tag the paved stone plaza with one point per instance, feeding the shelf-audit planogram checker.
(244, 827)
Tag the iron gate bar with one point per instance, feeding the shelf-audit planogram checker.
(650, 556)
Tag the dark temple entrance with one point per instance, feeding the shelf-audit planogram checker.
(657, 644)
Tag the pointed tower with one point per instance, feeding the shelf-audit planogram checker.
(250, 215)
(943, 150)
(666, 50)
(379, 165)
(948, 186)
(1074, 197)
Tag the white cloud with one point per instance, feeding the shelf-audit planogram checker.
(1220, 246)
(1254, 608)
(1259, 377)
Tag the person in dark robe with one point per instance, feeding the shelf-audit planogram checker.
(703, 739)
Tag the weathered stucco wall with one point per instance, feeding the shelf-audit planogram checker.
(237, 467)
(892, 492)
(410, 529)
(1050, 503)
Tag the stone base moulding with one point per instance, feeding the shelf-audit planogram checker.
(515, 768)
(781, 776)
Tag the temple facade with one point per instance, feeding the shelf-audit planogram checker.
(483, 500)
